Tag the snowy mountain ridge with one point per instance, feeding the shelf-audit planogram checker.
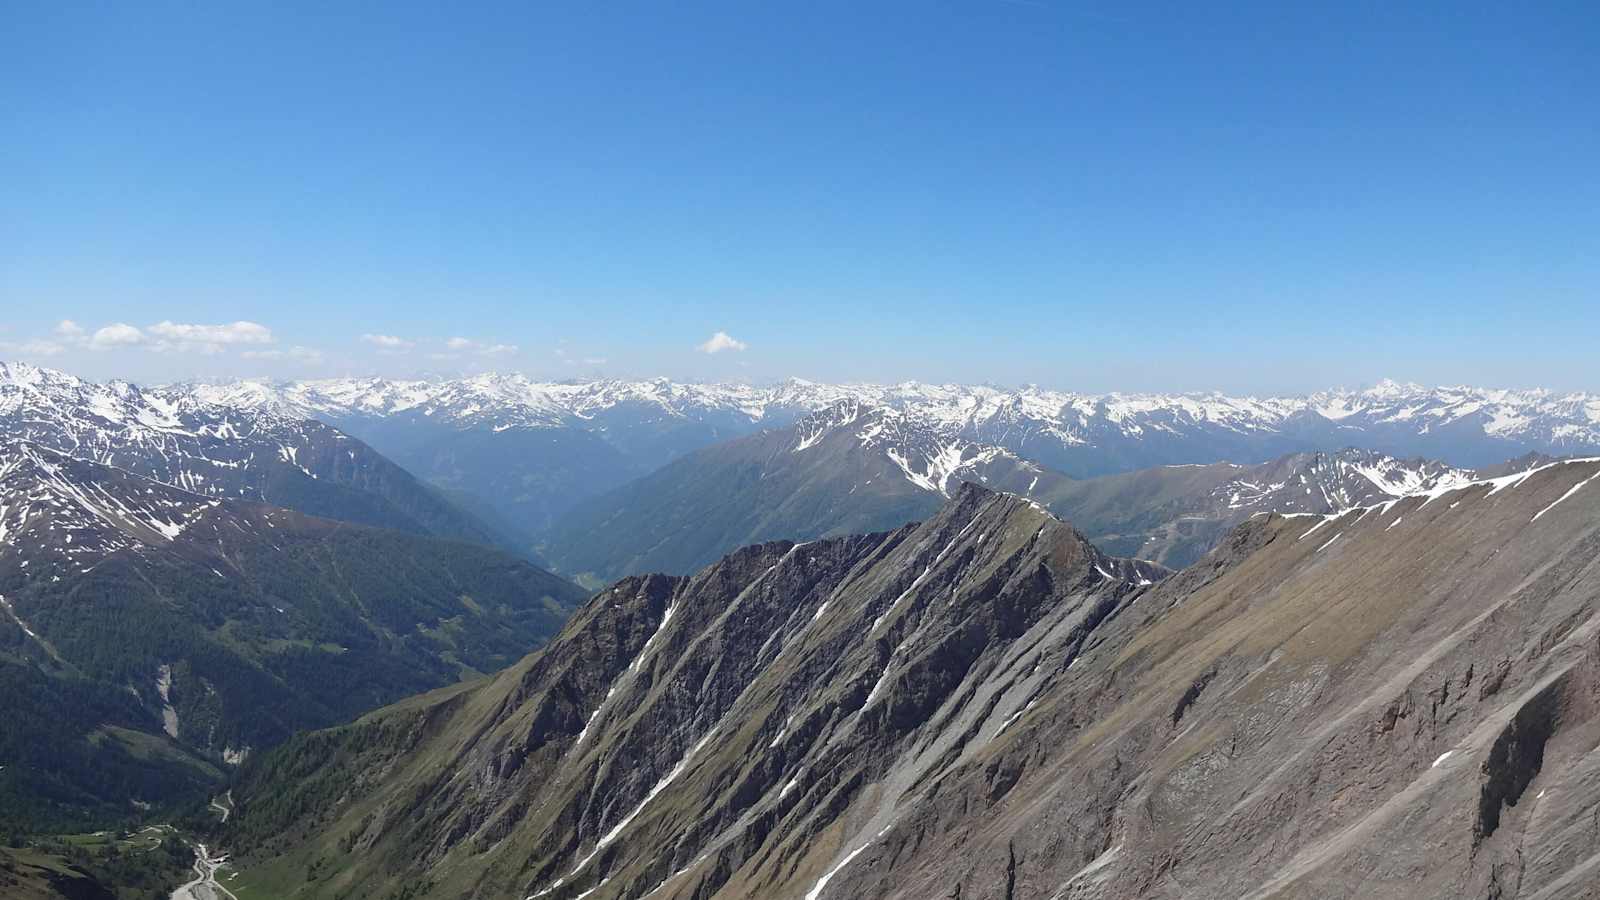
(928, 458)
(242, 451)
(1071, 417)
(54, 503)
(1335, 482)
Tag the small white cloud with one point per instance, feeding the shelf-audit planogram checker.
(594, 361)
(721, 341)
(459, 343)
(162, 337)
(119, 334)
(389, 342)
(185, 336)
(498, 349)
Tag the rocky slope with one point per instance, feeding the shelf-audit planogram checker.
(536, 450)
(149, 635)
(554, 773)
(1396, 701)
(228, 451)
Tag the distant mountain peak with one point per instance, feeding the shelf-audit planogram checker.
(1070, 418)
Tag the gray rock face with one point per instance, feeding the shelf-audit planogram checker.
(1396, 701)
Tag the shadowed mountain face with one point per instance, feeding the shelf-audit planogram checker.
(853, 469)
(850, 469)
(150, 636)
(1396, 701)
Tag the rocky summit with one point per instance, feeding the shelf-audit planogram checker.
(1397, 700)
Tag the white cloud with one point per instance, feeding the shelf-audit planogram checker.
(182, 337)
(389, 342)
(721, 341)
(162, 337)
(119, 334)
(212, 335)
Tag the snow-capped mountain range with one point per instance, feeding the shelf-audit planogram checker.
(927, 456)
(534, 451)
(241, 451)
(1472, 417)
(524, 453)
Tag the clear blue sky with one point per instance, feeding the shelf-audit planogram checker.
(1267, 198)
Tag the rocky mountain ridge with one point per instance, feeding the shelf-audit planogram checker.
(661, 681)
(1394, 701)
(227, 452)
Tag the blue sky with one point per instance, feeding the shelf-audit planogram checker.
(1085, 196)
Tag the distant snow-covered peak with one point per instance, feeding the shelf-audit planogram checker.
(515, 399)
(1476, 426)
(1333, 482)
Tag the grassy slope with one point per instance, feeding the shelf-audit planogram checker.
(329, 622)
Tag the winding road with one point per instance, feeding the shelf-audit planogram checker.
(204, 886)
(225, 810)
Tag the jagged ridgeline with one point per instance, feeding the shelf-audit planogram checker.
(151, 638)
(776, 683)
(231, 452)
(532, 453)
(1394, 701)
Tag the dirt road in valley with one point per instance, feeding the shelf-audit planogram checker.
(204, 886)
